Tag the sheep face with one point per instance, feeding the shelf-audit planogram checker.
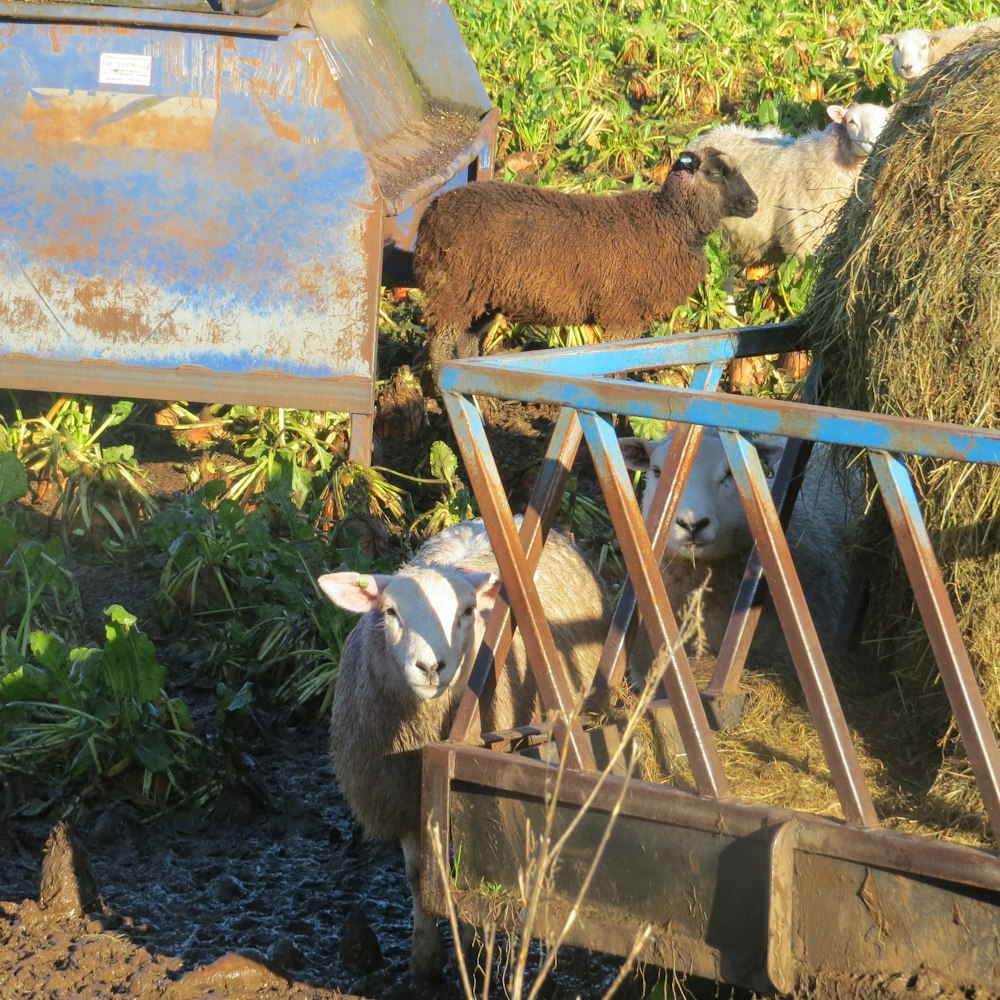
(710, 522)
(717, 170)
(863, 123)
(911, 52)
(431, 620)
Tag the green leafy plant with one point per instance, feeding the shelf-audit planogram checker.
(291, 447)
(456, 505)
(98, 485)
(94, 713)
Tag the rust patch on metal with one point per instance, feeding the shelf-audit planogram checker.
(22, 312)
(102, 310)
(109, 119)
(281, 128)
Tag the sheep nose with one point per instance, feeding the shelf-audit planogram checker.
(693, 527)
(430, 670)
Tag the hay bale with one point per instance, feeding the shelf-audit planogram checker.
(905, 318)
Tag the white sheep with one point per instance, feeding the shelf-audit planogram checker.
(710, 538)
(800, 183)
(407, 662)
(915, 50)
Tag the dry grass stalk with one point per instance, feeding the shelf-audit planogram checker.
(544, 851)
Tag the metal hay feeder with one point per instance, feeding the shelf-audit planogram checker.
(771, 899)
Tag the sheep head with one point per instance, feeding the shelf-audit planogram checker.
(710, 522)
(912, 52)
(715, 171)
(432, 620)
(862, 125)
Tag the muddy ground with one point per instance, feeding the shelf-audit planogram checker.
(276, 873)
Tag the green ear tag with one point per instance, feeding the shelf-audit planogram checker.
(362, 581)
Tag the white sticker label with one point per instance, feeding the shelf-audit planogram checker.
(123, 68)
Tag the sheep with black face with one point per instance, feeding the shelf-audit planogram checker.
(622, 261)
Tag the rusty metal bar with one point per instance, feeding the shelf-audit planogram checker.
(518, 579)
(542, 507)
(630, 355)
(752, 593)
(738, 413)
(800, 632)
(154, 15)
(362, 427)
(669, 488)
(437, 768)
(257, 388)
(644, 571)
(668, 493)
(957, 673)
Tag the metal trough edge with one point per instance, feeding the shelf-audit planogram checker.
(809, 879)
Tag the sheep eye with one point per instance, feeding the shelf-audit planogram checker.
(390, 612)
(654, 471)
(469, 611)
(726, 476)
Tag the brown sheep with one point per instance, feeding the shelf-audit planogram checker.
(622, 261)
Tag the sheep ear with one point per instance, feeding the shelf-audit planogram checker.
(637, 452)
(486, 586)
(836, 113)
(688, 161)
(888, 39)
(358, 592)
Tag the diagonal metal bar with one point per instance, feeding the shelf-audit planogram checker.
(673, 477)
(752, 593)
(800, 632)
(952, 657)
(518, 580)
(626, 356)
(718, 409)
(544, 503)
(644, 570)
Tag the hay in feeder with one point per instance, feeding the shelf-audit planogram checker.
(906, 320)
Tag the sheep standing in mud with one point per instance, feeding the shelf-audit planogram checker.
(407, 662)
(622, 261)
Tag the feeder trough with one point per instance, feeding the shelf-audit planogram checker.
(199, 199)
(771, 899)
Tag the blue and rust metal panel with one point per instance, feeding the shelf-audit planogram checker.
(184, 212)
